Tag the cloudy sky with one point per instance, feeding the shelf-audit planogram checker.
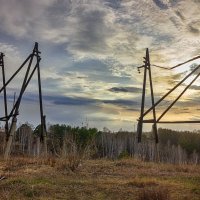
(90, 53)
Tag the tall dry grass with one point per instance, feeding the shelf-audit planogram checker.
(154, 194)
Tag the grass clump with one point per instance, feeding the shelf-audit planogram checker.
(154, 194)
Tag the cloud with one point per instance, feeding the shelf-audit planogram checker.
(195, 87)
(91, 30)
(194, 27)
(115, 4)
(91, 50)
(160, 4)
(62, 100)
(96, 29)
(24, 16)
(79, 101)
(54, 99)
(126, 89)
(166, 4)
(193, 67)
(109, 29)
(121, 102)
(180, 15)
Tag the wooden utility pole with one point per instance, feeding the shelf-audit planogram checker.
(15, 110)
(5, 94)
(156, 120)
(43, 135)
(147, 67)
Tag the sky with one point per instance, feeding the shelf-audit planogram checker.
(90, 52)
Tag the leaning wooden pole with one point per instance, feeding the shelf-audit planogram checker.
(5, 94)
(154, 126)
(10, 138)
(15, 110)
(140, 121)
(42, 117)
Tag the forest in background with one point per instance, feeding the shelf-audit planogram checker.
(77, 143)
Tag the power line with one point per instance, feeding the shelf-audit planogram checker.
(178, 65)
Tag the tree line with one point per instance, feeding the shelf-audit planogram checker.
(67, 141)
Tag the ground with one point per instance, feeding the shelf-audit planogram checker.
(27, 178)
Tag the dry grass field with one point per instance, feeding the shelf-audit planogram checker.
(27, 178)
